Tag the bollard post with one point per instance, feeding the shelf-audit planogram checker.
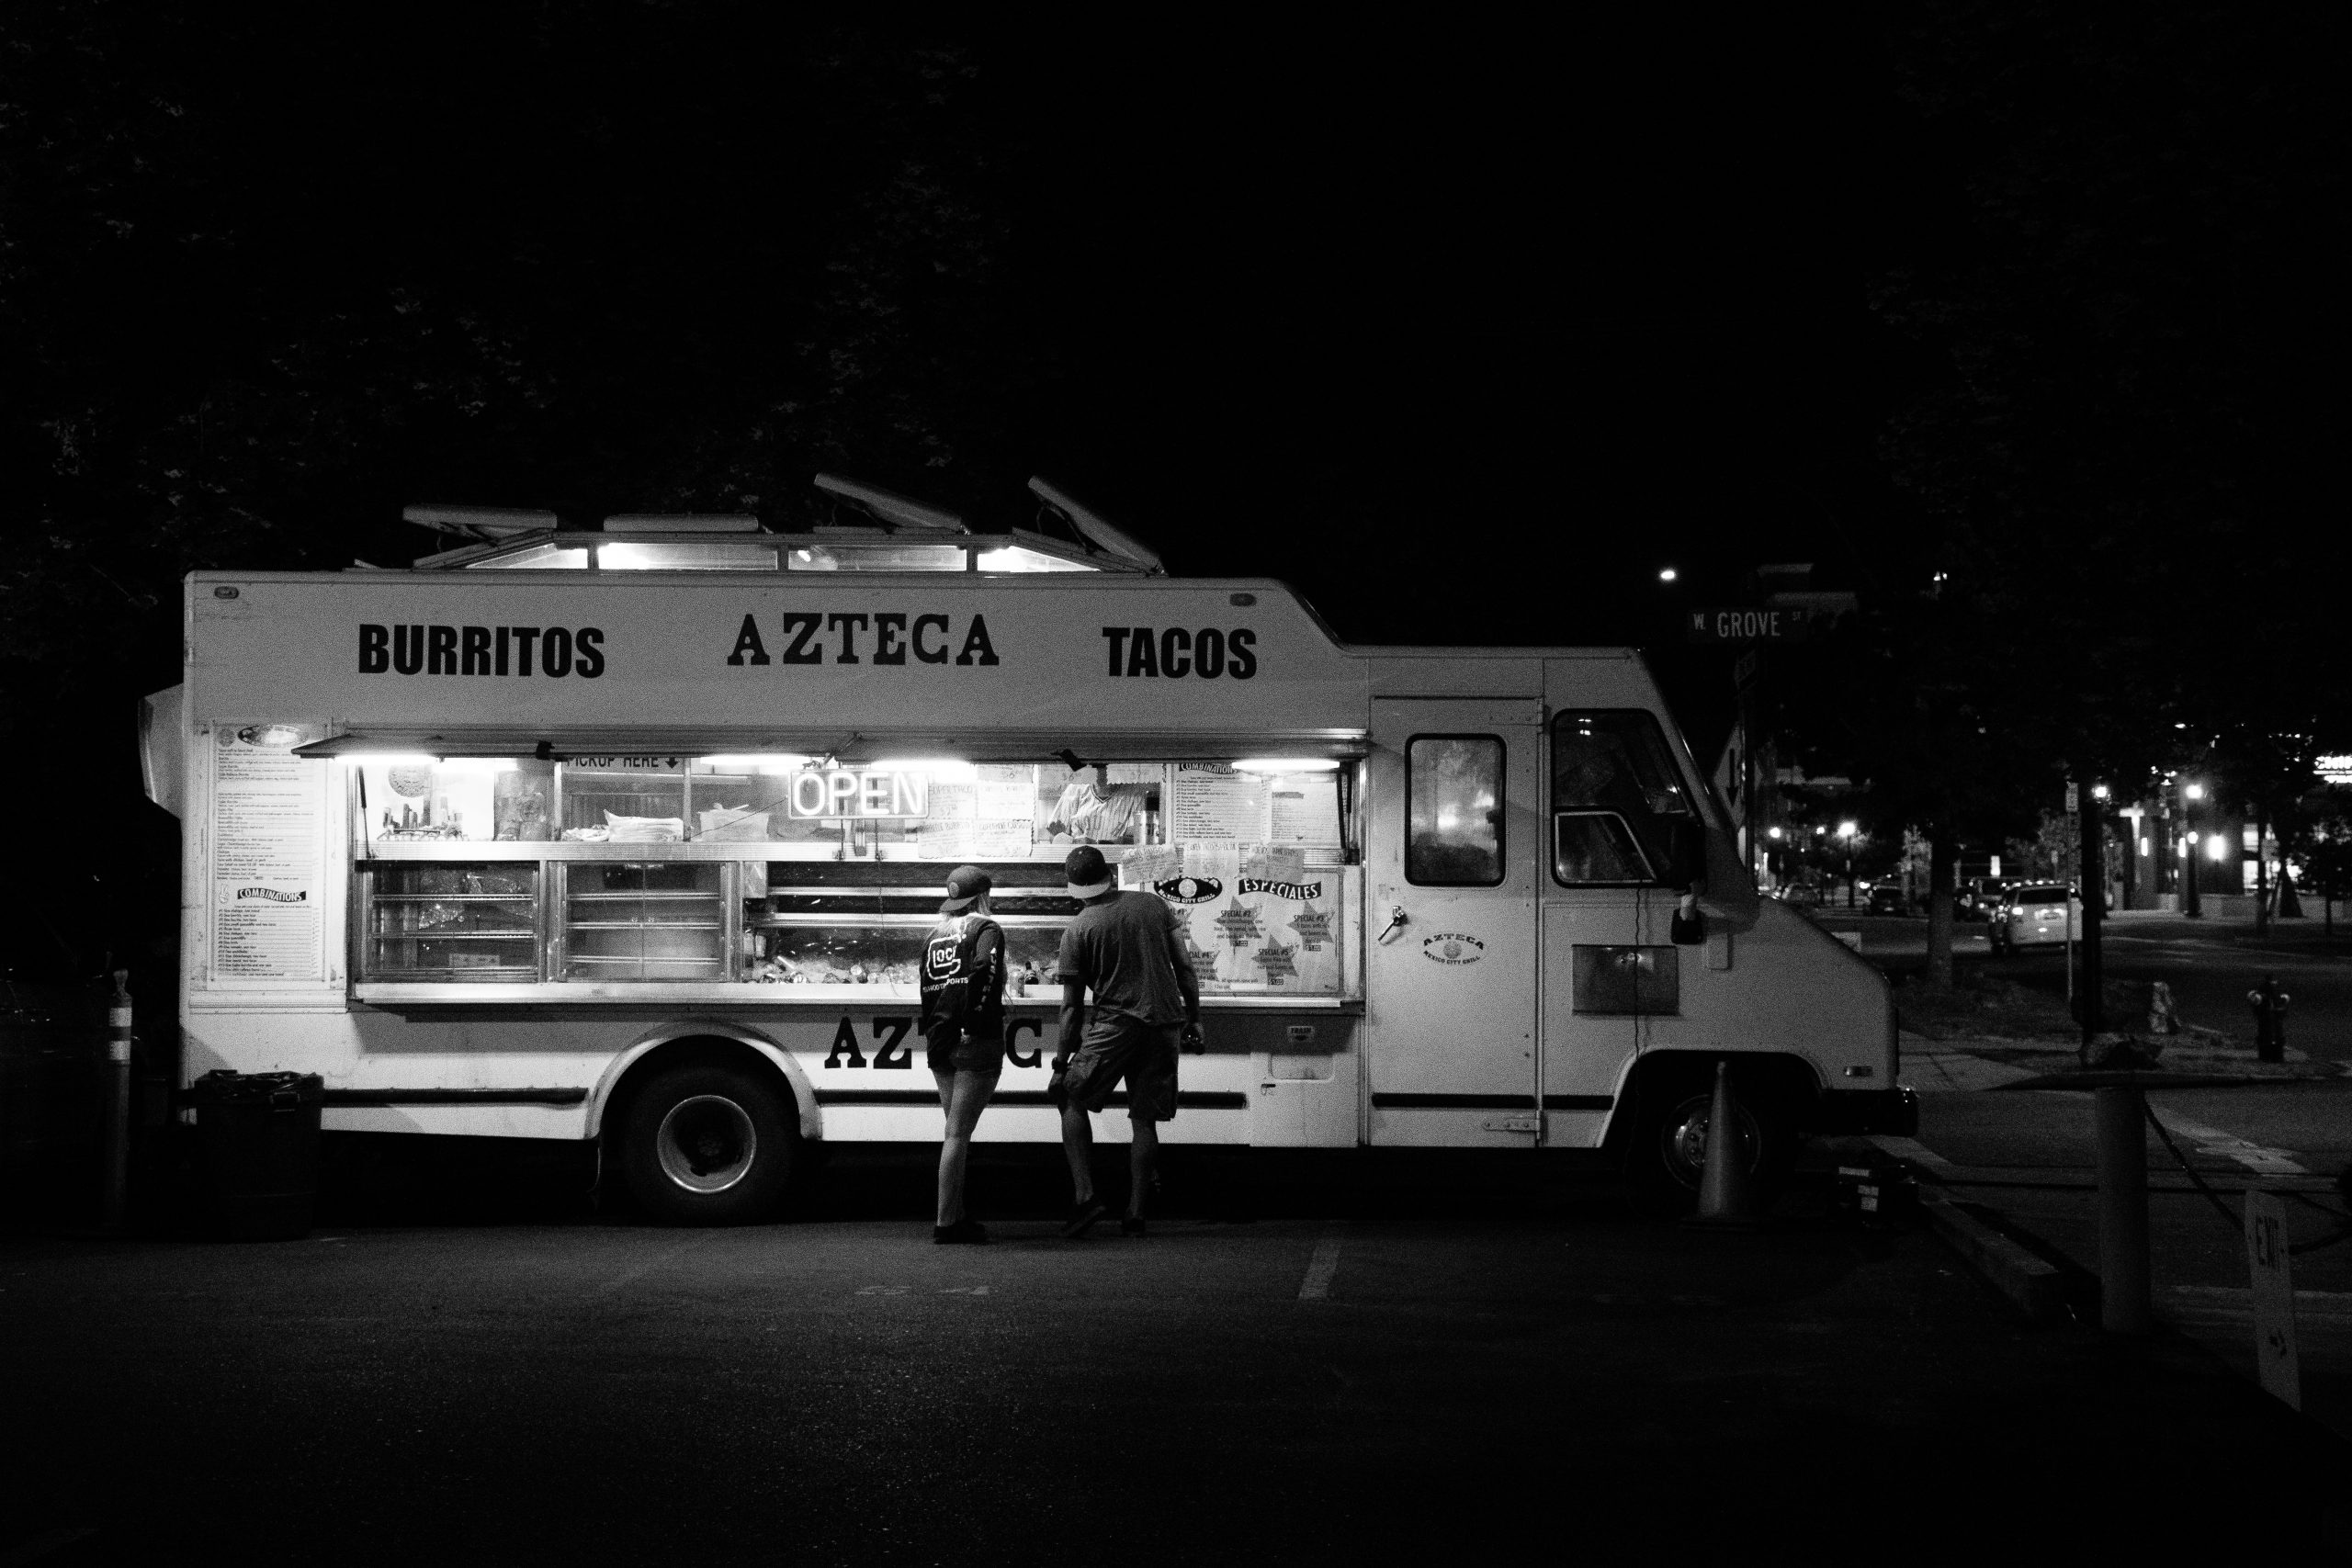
(2122, 1210)
(116, 1176)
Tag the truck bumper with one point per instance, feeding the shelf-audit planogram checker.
(1893, 1112)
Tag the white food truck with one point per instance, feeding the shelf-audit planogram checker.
(633, 835)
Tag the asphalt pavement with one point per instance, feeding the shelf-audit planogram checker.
(1322, 1359)
(1431, 1359)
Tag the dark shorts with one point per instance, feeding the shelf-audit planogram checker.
(1143, 1055)
(969, 1056)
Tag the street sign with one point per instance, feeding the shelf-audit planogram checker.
(2074, 798)
(2273, 1298)
(1756, 624)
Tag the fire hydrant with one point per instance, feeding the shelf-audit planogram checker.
(2269, 1005)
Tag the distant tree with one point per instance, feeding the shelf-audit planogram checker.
(263, 277)
(2108, 305)
(2325, 848)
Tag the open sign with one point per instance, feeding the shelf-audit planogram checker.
(853, 792)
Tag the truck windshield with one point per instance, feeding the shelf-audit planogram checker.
(1616, 798)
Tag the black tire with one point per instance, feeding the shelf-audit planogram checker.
(708, 1145)
(1666, 1155)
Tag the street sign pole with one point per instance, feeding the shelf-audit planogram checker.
(2094, 890)
(1747, 680)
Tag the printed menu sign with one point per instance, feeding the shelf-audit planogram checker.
(268, 844)
(1209, 801)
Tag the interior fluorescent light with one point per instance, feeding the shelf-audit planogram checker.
(757, 762)
(942, 770)
(1287, 765)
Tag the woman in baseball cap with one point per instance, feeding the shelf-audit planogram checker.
(963, 1024)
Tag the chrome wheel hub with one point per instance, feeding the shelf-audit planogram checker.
(706, 1144)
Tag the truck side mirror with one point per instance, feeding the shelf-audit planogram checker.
(1686, 853)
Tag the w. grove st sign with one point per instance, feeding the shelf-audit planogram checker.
(1726, 625)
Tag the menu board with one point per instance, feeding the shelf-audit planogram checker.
(268, 853)
(1210, 801)
(1259, 933)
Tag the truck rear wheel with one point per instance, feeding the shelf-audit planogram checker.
(707, 1145)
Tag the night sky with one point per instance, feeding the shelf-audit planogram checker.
(1464, 332)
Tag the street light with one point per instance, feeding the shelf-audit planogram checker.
(1847, 830)
(2190, 904)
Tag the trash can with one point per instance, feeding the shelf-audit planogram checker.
(258, 1136)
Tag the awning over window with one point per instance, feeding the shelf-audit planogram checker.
(848, 746)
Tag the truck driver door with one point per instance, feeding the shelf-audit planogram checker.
(1450, 835)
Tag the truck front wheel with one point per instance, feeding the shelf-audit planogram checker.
(1667, 1156)
(707, 1145)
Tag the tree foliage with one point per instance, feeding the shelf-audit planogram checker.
(265, 275)
(2111, 326)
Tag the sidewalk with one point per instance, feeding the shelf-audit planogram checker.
(2016, 1187)
(1968, 1064)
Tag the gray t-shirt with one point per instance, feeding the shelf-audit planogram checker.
(1118, 947)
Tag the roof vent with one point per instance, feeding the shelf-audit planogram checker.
(682, 522)
(479, 522)
(1096, 530)
(888, 507)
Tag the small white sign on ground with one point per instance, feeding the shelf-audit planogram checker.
(2273, 1298)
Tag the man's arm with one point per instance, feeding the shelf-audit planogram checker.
(1186, 981)
(1073, 1021)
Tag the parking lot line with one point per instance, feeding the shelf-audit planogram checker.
(1323, 1263)
(2228, 1146)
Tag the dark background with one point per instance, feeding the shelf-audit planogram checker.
(1464, 330)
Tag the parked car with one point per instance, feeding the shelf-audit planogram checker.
(1886, 899)
(2031, 915)
(1981, 895)
(1798, 894)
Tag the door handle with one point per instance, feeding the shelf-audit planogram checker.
(1395, 923)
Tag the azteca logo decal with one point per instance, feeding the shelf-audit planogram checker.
(1189, 889)
(1453, 948)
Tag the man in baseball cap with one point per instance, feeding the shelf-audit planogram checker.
(1129, 949)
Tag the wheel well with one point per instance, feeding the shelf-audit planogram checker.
(695, 1051)
(1785, 1082)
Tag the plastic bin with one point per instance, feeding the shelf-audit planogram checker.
(257, 1134)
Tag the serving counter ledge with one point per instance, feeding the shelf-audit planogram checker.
(400, 996)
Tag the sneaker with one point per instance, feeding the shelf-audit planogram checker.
(1083, 1217)
(1131, 1225)
(965, 1231)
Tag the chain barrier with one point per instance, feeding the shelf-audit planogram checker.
(2236, 1222)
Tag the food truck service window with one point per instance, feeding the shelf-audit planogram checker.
(773, 868)
(1616, 800)
(1453, 810)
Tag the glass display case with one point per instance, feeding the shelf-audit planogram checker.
(857, 924)
(646, 921)
(476, 921)
(776, 870)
